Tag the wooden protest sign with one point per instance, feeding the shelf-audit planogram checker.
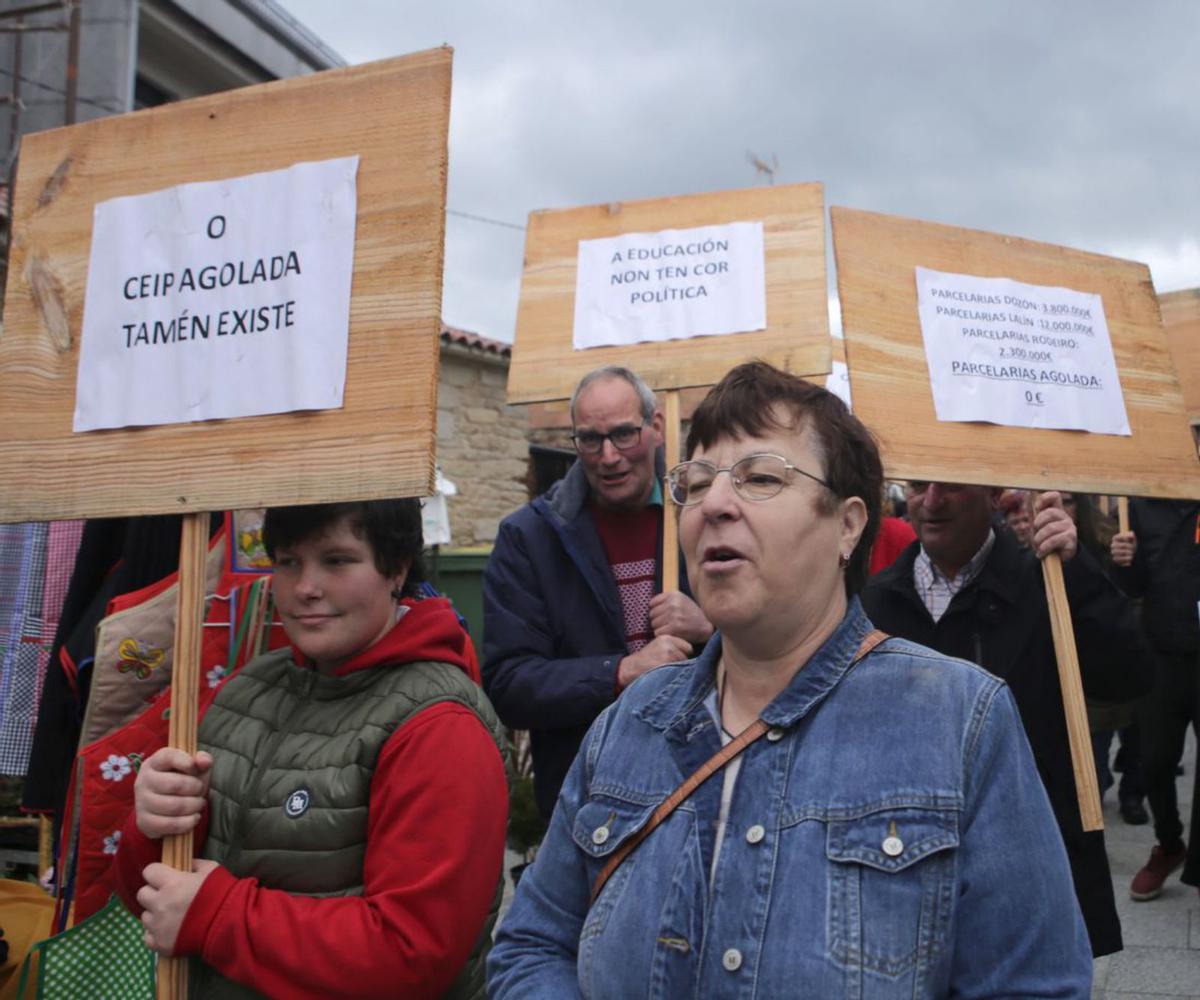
(546, 364)
(1181, 320)
(889, 377)
(877, 261)
(393, 116)
(47, 471)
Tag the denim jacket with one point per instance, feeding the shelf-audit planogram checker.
(888, 837)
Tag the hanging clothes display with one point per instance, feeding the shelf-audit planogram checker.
(22, 575)
(134, 649)
(116, 556)
(102, 957)
(28, 918)
(239, 624)
(39, 586)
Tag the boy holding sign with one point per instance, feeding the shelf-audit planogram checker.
(350, 794)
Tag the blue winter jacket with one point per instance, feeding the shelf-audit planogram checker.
(889, 837)
(554, 629)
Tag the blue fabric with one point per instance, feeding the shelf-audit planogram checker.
(554, 629)
(975, 901)
(1001, 623)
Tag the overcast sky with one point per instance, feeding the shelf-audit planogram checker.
(1070, 122)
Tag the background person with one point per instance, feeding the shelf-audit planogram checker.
(1105, 718)
(967, 590)
(349, 797)
(1159, 561)
(573, 606)
(1017, 508)
(887, 835)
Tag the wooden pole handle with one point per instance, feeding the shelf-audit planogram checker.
(1082, 761)
(1123, 514)
(185, 684)
(670, 558)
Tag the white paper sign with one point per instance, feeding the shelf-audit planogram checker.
(1006, 352)
(435, 512)
(219, 299)
(670, 285)
(838, 382)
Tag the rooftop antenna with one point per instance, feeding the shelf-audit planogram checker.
(763, 167)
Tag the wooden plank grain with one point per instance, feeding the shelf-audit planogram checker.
(1181, 320)
(545, 364)
(380, 443)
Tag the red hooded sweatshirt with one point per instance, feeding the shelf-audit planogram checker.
(435, 847)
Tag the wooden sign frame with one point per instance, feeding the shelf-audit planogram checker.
(889, 378)
(877, 257)
(1181, 320)
(379, 444)
(545, 365)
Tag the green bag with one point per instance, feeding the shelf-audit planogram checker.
(102, 957)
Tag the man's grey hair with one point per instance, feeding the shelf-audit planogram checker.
(645, 394)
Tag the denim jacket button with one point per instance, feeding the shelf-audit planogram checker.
(893, 847)
(599, 835)
(755, 834)
(774, 734)
(732, 960)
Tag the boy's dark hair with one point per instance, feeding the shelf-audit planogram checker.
(392, 528)
(742, 404)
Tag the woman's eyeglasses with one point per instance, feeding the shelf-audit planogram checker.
(755, 477)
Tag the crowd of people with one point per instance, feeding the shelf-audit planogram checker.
(833, 762)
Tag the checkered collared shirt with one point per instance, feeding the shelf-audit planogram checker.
(936, 589)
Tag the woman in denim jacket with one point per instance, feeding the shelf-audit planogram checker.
(889, 837)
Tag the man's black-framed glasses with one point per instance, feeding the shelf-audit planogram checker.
(755, 477)
(623, 437)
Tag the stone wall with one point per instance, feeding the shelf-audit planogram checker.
(482, 447)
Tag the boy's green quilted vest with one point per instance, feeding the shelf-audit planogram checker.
(294, 752)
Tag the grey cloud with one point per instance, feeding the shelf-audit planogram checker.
(1070, 122)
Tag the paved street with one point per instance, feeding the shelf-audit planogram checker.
(1162, 937)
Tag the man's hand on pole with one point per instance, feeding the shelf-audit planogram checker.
(658, 652)
(1123, 548)
(678, 615)
(1053, 529)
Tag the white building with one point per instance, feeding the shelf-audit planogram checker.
(67, 61)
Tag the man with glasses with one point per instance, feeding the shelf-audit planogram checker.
(573, 608)
(972, 592)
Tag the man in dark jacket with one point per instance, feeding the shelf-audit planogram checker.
(972, 592)
(1159, 561)
(573, 607)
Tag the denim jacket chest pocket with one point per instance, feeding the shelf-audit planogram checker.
(650, 887)
(892, 879)
(602, 825)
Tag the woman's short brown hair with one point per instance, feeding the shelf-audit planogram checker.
(744, 404)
